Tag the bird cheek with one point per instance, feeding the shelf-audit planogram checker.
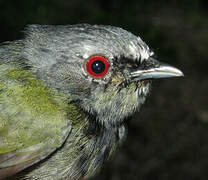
(117, 80)
(142, 83)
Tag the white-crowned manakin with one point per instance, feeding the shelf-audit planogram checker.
(65, 94)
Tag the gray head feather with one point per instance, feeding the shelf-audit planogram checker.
(57, 55)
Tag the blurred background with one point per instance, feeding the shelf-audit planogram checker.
(168, 138)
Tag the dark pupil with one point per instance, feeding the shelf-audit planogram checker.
(98, 67)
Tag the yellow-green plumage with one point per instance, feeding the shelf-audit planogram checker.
(25, 104)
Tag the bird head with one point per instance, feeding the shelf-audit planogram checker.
(105, 69)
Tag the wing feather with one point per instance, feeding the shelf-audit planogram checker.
(33, 120)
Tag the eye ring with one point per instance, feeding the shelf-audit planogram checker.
(97, 66)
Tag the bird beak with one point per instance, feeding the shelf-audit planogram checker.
(155, 70)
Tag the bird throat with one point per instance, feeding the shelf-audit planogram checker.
(100, 144)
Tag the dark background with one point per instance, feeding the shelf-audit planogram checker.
(168, 138)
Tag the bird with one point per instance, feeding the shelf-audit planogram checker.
(66, 94)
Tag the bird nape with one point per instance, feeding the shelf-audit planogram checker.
(65, 92)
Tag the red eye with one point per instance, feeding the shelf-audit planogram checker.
(97, 66)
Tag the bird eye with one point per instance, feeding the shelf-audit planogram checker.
(97, 66)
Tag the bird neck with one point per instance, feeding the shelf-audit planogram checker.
(95, 142)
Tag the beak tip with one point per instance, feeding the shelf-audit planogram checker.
(171, 71)
(178, 73)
